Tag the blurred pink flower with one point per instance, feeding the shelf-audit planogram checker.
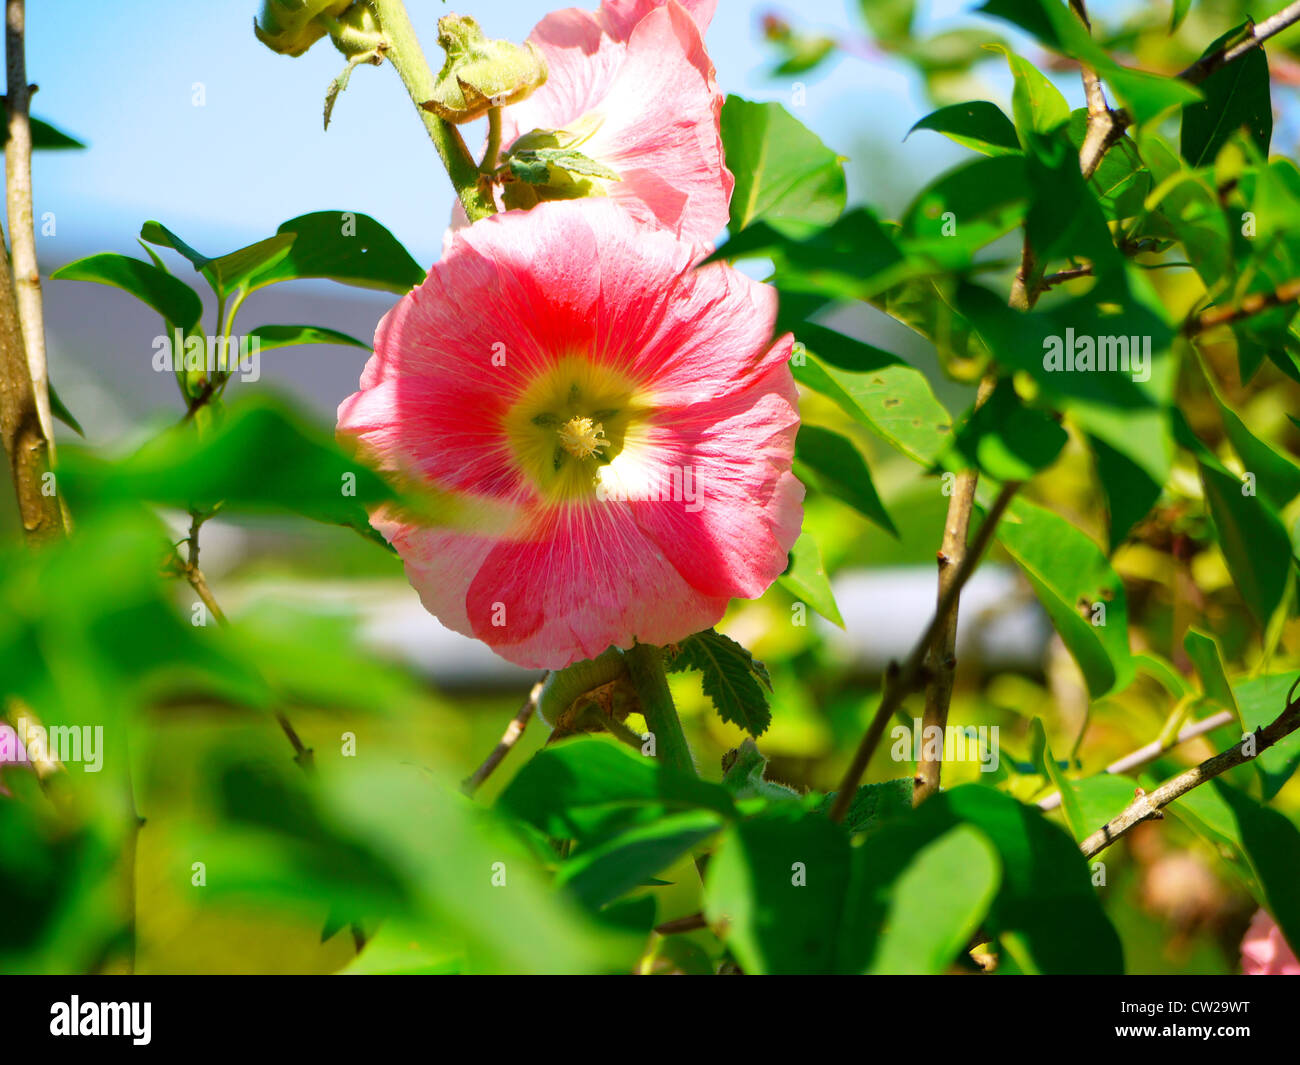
(11, 747)
(635, 78)
(12, 752)
(1264, 952)
(623, 422)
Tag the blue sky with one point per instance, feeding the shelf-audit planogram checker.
(122, 77)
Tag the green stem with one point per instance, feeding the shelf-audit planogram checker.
(402, 48)
(645, 664)
(494, 141)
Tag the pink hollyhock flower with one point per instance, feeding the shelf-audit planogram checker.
(1264, 952)
(623, 422)
(634, 85)
(621, 16)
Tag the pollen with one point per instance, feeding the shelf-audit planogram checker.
(581, 437)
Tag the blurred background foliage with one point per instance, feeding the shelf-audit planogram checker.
(282, 794)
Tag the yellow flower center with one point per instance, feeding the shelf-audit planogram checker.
(571, 421)
(582, 438)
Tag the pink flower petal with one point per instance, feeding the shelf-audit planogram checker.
(589, 579)
(622, 16)
(582, 60)
(673, 146)
(711, 394)
(734, 537)
(658, 104)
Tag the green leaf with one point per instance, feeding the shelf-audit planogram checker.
(794, 897)
(1130, 490)
(830, 463)
(1052, 23)
(744, 775)
(968, 208)
(1179, 12)
(1101, 797)
(894, 401)
(287, 336)
(1205, 812)
(45, 137)
(783, 171)
(59, 409)
(1037, 104)
(157, 233)
(570, 789)
(978, 125)
(1160, 668)
(1080, 591)
(1278, 475)
(774, 923)
(1129, 413)
(1203, 650)
(854, 258)
(874, 803)
(805, 579)
(536, 165)
(803, 52)
(1261, 701)
(431, 837)
(1185, 208)
(1121, 180)
(347, 247)
(174, 300)
(1046, 898)
(1236, 95)
(1271, 844)
(1080, 827)
(605, 872)
(937, 902)
(890, 20)
(1007, 439)
(1065, 220)
(225, 273)
(1254, 541)
(237, 269)
(941, 55)
(261, 457)
(733, 679)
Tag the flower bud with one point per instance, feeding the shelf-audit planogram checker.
(480, 73)
(290, 27)
(357, 33)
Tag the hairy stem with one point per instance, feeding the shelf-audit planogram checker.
(645, 665)
(493, 150)
(402, 47)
